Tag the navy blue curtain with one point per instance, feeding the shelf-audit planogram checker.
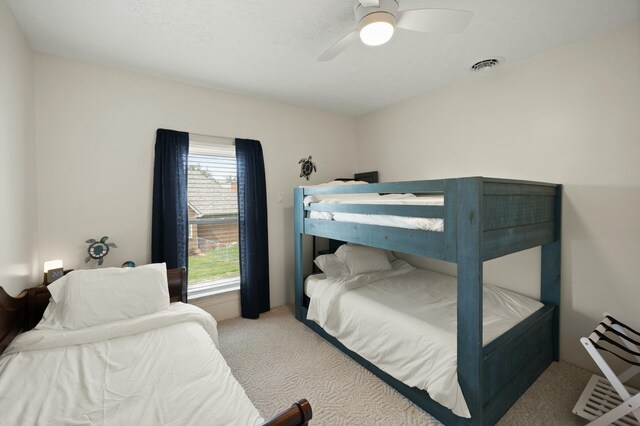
(169, 223)
(252, 226)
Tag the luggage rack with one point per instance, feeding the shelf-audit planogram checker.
(606, 400)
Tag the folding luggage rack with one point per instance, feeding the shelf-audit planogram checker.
(606, 401)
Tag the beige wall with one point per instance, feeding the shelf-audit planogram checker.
(18, 221)
(570, 116)
(95, 130)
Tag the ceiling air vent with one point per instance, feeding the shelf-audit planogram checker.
(487, 64)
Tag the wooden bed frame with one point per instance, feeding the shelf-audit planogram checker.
(484, 218)
(22, 313)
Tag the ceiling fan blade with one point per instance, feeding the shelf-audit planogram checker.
(370, 3)
(339, 46)
(434, 20)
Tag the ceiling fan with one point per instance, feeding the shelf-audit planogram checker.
(378, 19)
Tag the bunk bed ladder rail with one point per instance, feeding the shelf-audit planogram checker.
(469, 266)
(550, 271)
(298, 230)
(495, 217)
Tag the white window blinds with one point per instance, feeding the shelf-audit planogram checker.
(213, 216)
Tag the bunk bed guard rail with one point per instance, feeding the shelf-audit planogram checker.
(516, 215)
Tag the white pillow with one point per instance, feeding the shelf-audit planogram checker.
(362, 259)
(331, 265)
(85, 298)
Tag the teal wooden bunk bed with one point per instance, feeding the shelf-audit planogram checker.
(484, 218)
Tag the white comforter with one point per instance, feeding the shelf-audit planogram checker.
(158, 369)
(424, 223)
(404, 321)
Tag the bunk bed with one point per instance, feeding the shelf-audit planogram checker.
(483, 218)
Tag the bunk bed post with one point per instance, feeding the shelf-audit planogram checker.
(550, 265)
(298, 228)
(470, 292)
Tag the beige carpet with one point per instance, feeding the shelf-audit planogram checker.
(279, 360)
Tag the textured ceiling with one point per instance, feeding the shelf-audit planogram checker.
(269, 48)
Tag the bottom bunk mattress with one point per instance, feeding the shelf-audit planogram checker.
(158, 369)
(404, 321)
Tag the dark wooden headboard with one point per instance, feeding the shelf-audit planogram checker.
(22, 313)
(370, 177)
(13, 312)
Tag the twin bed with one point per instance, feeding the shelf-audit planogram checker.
(461, 350)
(110, 349)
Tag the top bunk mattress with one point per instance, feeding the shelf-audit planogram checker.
(404, 321)
(423, 223)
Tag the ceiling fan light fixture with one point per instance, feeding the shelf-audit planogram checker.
(376, 28)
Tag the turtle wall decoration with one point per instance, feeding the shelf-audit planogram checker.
(98, 249)
(307, 167)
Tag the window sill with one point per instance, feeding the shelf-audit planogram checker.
(213, 290)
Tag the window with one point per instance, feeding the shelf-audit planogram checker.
(213, 217)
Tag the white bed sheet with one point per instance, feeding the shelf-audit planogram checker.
(404, 321)
(158, 369)
(311, 282)
(424, 223)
